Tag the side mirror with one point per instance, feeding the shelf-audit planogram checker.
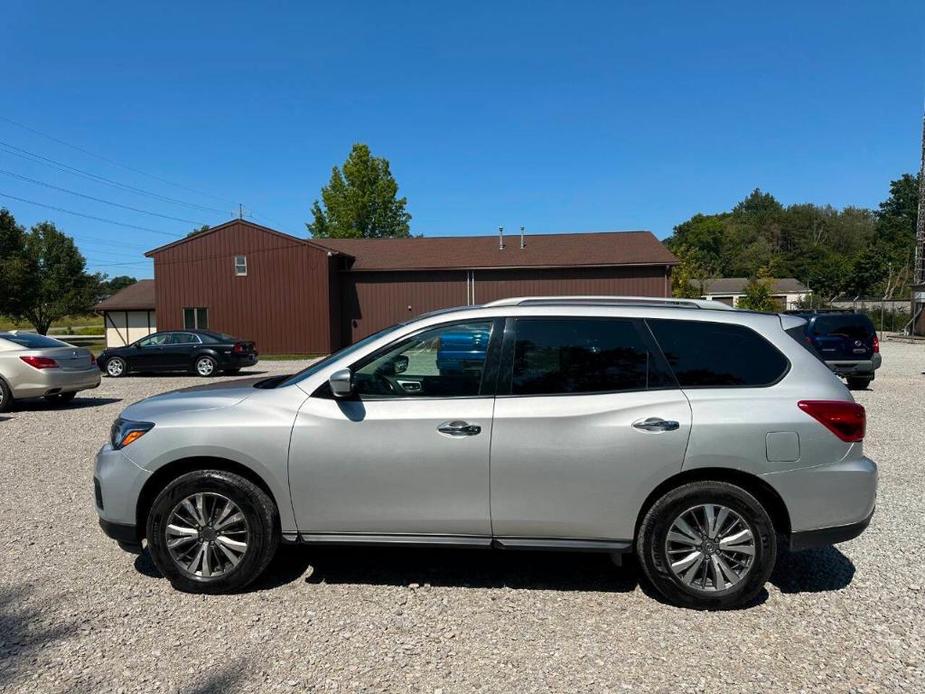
(341, 382)
(401, 363)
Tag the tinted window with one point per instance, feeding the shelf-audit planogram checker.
(718, 354)
(852, 325)
(32, 340)
(182, 339)
(444, 362)
(151, 340)
(559, 355)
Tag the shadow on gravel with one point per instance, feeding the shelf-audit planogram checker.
(24, 633)
(812, 571)
(221, 679)
(468, 568)
(78, 403)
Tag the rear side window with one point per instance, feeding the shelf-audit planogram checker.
(851, 325)
(718, 355)
(32, 340)
(554, 356)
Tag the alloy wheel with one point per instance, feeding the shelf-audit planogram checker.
(115, 367)
(206, 535)
(710, 548)
(205, 366)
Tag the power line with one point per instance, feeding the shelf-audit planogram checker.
(32, 156)
(90, 197)
(89, 216)
(110, 161)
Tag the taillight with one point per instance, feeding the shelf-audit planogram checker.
(847, 420)
(238, 348)
(876, 343)
(92, 359)
(40, 362)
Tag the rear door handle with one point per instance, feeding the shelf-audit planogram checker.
(459, 428)
(656, 424)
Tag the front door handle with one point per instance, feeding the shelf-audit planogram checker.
(459, 428)
(656, 424)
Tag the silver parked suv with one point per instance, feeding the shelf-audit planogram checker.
(699, 439)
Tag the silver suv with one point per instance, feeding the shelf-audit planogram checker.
(701, 440)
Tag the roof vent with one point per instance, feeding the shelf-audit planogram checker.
(500, 238)
(523, 241)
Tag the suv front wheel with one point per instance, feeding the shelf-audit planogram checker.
(212, 531)
(707, 545)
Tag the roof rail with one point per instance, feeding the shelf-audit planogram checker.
(665, 302)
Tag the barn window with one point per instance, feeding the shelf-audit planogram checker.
(240, 265)
(196, 318)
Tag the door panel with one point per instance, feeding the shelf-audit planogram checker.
(382, 466)
(574, 466)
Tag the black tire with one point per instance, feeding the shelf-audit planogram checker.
(205, 366)
(652, 545)
(856, 383)
(257, 508)
(6, 397)
(116, 367)
(61, 398)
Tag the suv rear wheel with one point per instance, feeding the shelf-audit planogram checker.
(211, 531)
(707, 545)
(858, 383)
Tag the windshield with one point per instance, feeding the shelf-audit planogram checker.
(320, 364)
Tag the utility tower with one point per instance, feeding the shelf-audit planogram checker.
(918, 269)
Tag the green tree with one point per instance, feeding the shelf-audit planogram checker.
(360, 201)
(55, 282)
(198, 230)
(108, 286)
(758, 293)
(12, 262)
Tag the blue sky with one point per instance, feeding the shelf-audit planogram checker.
(563, 116)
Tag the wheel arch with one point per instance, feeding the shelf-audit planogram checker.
(754, 485)
(166, 474)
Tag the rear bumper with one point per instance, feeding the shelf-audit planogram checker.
(864, 367)
(828, 536)
(49, 381)
(828, 500)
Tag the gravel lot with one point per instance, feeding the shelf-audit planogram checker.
(77, 614)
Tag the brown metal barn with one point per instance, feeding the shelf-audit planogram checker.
(295, 295)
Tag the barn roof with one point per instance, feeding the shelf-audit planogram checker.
(542, 250)
(594, 249)
(135, 297)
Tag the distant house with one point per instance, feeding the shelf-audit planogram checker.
(786, 291)
(128, 315)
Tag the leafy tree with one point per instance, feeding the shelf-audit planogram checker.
(688, 277)
(12, 262)
(758, 293)
(108, 287)
(198, 230)
(55, 282)
(360, 201)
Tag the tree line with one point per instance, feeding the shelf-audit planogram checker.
(43, 276)
(836, 253)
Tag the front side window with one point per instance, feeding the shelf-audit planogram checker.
(448, 361)
(717, 355)
(240, 265)
(196, 318)
(555, 356)
(153, 340)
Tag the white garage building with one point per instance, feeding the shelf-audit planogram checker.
(128, 315)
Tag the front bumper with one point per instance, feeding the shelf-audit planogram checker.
(118, 483)
(50, 381)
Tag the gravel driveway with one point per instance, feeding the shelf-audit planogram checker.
(77, 614)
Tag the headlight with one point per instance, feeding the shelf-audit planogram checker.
(125, 431)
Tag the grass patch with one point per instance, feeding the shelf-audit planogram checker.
(62, 326)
